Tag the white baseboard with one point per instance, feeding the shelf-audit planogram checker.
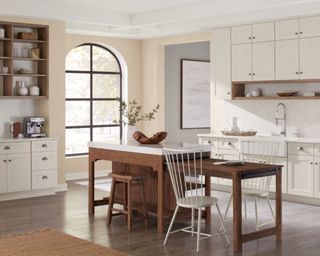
(26, 194)
(62, 187)
(84, 175)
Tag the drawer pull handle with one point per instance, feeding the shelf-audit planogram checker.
(44, 158)
(229, 143)
(299, 148)
(44, 177)
(44, 145)
(6, 147)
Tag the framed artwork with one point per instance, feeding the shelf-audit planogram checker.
(195, 94)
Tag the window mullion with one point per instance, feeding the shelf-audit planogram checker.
(91, 95)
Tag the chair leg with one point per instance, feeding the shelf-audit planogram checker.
(256, 211)
(111, 200)
(171, 224)
(192, 221)
(270, 206)
(228, 206)
(145, 211)
(129, 206)
(222, 224)
(198, 234)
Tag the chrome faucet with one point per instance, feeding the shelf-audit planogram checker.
(283, 118)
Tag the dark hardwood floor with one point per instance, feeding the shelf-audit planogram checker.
(67, 212)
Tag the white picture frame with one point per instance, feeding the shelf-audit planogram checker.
(195, 94)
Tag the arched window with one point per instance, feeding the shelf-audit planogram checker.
(93, 90)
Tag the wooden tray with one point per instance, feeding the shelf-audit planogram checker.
(241, 133)
(286, 94)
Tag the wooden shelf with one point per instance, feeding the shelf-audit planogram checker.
(5, 58)
(28, 59)
(24, 97)
(279, 98)
(32, 75)
(2, 74)
(29, 41)
(5, 39)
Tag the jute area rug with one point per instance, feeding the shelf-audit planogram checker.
(51, 243)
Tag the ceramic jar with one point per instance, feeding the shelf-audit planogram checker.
(34, 90)
(22, 90)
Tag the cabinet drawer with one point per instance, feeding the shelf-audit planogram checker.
(44, 145)
(229, 144)
(44, 160)
(15, 147)
(44, 179)
(304, 149)
(210, 141)
(316, 149)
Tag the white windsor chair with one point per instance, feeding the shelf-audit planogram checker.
(185, 169)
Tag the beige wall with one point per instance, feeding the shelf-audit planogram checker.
(131, 51)
(153, 73)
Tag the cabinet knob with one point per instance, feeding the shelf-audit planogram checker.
(9, 160)
(249, 38)
(4, 161)
(301, 72)
(299, 148)
(311, 162)
(253, 74)
(44, 145)
(44, 158)
(250, 74)
(229, 143)
(316, 163)
(253, 37)
(300, 32)
(228, 93)
(44, 177)
(297, 73)
(6, 148)
(297, 33)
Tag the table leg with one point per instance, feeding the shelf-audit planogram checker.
(237, 213)
(91, 186)
(208, 193)
(278, 206)
(160, 200)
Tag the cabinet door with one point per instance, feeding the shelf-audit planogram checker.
(317, 177)
(309, 58)
(263, 32)
(19, 172)
(263, 61)
(287, 59)
(241, 34)
(300, 175)
(287, 29)
(241, 62)
(3, 174)
(221, 64)
(310, 26)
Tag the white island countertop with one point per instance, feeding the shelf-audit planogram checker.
(25, 139)
(154, 149)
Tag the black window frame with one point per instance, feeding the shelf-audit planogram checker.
(91, 126)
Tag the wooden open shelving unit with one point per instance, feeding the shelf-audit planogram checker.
(38, 66)
(238, 90)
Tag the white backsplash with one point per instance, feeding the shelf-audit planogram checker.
(14, 111)
(303, 116)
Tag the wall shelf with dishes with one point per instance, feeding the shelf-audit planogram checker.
(24, 57)
(308, 89)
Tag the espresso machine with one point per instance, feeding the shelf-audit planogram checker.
(33, 127)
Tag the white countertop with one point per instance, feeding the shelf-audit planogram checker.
(154, 149)
(263, 137)
(25, 139)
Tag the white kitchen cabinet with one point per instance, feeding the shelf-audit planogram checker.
(3, 173)
(309, 26)
(316, 166)
(287, 29)
(287, 59)
(263, 61)
(241, 34)
(18, 172)
(241, 62)
(259, 32)
(310, 58)
(300, 175)
(220, 63)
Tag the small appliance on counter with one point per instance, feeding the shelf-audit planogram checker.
(33, 127)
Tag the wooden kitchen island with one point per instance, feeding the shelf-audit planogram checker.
(149, 160)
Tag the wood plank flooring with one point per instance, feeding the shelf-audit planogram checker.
(67, 212)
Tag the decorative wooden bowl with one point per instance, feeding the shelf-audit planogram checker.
(155, 139)
(287, 94)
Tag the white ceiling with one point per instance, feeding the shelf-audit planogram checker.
(155, 18)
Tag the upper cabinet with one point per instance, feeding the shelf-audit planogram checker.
(287, 29)
(309, 26)
(24, 55)
(252, 33)
(310, 58)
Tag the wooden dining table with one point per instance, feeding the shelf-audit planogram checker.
(150, 161)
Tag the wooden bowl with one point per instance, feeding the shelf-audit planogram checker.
(155, 139)
(287, 94)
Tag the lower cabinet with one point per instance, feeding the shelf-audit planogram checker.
(3, 174)
(316, 172)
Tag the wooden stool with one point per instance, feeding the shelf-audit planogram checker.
(128, 179)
